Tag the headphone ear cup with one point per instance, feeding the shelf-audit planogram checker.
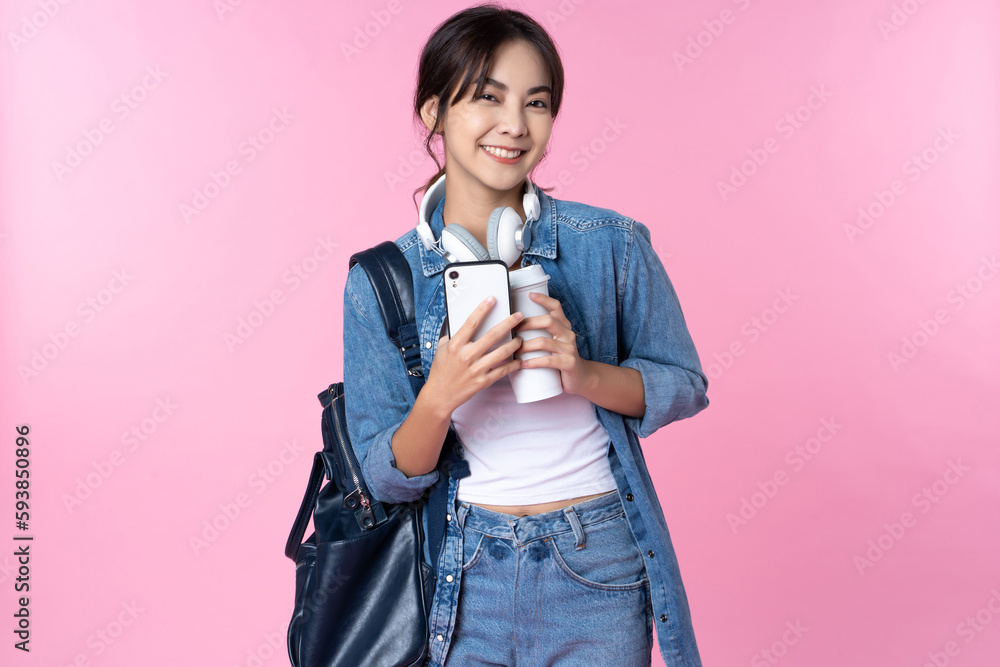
(460, 242)
(501, 234)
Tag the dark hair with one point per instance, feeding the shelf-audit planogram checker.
(460, 53)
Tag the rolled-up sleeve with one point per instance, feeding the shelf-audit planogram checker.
(377, 394)
(655, 341)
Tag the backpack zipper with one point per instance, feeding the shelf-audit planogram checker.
(367, 518)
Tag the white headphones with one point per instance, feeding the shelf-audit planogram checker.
(507, 236)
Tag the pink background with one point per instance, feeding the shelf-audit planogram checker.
(641, 132)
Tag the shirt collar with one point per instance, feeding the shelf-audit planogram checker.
(543, 235)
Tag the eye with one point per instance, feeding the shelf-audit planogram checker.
(484, 95)
(541, 104)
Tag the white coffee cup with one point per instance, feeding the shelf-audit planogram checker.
(532, 384)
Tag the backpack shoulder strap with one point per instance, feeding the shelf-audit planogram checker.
(389, 273)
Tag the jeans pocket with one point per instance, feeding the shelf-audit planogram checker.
(609, 559)
(474, 543)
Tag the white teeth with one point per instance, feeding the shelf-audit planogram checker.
(499, 152)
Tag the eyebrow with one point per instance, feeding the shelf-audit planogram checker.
(503, 87)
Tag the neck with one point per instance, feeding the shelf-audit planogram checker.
(471, 206)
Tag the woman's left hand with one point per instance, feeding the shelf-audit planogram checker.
(575, 371)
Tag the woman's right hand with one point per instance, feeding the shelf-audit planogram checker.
(460, 368)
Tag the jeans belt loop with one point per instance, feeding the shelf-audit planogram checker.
(574, 522)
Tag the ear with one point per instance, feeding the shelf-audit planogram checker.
(429, 111)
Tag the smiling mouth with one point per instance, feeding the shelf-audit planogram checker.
(502, 153)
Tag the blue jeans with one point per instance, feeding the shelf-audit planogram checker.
(565, 588)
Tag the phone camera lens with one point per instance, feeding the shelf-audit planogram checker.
(453, 274)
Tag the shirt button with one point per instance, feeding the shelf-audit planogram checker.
(650, 552)
(427, 345)
(441, 637)
(628, 497)
(449, 578)
(663, 618)
(449, 517)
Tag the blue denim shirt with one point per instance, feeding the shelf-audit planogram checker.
(615, 292)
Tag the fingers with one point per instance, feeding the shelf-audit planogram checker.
(472, 322)
(500, 329)
(502, 352)
(490, 337)
(551, 304)
(502, 370)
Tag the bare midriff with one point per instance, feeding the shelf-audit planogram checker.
(538, 508)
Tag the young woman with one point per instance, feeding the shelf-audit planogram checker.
(556, 550)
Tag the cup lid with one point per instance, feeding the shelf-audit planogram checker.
(527, 275)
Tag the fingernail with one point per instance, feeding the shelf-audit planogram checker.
(490, 299)
(519, 315)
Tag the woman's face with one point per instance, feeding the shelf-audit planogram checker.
(513, 111)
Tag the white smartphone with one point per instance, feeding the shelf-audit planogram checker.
(466, 284)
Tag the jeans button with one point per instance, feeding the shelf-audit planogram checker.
(650, 552)
(628, 497)
(449, 578)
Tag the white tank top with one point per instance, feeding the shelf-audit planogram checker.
(526, 453)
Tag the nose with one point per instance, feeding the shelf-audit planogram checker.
(512, 120)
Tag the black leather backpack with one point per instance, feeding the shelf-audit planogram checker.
(362, 590)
